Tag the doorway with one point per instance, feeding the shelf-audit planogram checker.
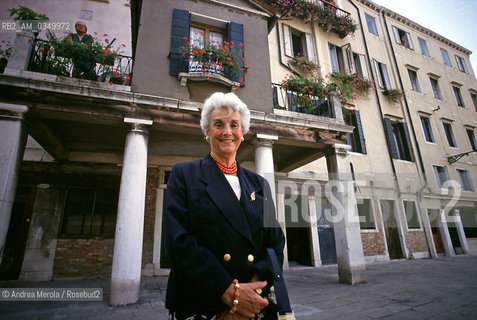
(18, 229)
(391, 229)
(436, 232)
(298, 233)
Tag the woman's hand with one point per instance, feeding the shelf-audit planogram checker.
(250, 302)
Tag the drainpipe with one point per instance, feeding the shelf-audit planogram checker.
(376, 92)
(418, 149)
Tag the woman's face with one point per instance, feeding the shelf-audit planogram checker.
(225, 133)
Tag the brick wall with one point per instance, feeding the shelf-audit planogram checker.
(373, 243)
(83, 258)
(416, 241)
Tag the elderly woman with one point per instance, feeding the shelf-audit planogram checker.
(220, 220)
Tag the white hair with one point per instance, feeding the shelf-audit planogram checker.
(224, 100)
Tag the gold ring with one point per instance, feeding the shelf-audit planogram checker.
(259, 291)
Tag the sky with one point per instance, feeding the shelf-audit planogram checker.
(454, 19)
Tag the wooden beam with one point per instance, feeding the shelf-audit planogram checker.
(47, 138)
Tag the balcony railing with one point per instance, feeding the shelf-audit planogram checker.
(328, 16)
(208, 64)
(292, 101)
(325, 5)
(44, 59)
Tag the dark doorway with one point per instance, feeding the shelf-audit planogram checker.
(298, 232)
(391, 229)
(326, 234)
(436, 232)
(18, 228)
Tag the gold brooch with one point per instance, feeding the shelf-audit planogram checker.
(252, 196)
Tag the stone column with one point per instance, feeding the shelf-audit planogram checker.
(281, 220)
(314, 238)
(126, 270)
(13, 135)
(340, 191)
(445, 235)
(264, 160)
(21, 52)
(460, 232)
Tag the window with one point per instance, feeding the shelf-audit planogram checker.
(458, 96)
(371, 21)
(461, 64)
(426, 127)
(403, 38)
(412, 217)
(298, 43)
(336, 55)
(201, 36)
(471, 136)
(366, 214)
(445, 56)
(414, 80)
(473, 97)
(185, 24)
(398, 139)
(465, 180)
(450, 134)
(424, 49)
(355, 139)
(382, 75)
(436, 90)
(441, 175)
(86, 15)
(90, 212)
(360, 65)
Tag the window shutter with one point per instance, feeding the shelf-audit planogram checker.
(378, 74)
(409, 40)
(275, 96)
(396, 35)
(388, 131)
(387, 82)
(310, 47)
(459, 63)
(409, 153)
(349, 58)
(358, 132)
(291, 101)
(364, 69)
(287, 40)
(235, 34)
(180, 29)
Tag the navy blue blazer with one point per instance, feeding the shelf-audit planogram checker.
(204, 222)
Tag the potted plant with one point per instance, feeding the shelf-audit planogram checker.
(394, 95)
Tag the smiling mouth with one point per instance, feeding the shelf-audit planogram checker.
(227, 140)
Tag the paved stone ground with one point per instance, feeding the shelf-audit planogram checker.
(442, 288)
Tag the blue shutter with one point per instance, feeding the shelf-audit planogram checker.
(409, 152)
(180, 29)
(235, 34)
(358, 132)
(388, 131)
(275, 97)
(291, 101)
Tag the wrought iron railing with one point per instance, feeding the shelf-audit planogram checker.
(208, 64)
(330, 6)
(292, 101)
(44, 59)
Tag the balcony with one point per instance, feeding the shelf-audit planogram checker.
(44, 59)
(298, 102)
(39, 56)
(327, 15)
(220, 63)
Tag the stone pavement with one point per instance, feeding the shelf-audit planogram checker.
(441, 288)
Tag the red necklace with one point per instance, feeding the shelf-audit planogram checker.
(225, 168)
